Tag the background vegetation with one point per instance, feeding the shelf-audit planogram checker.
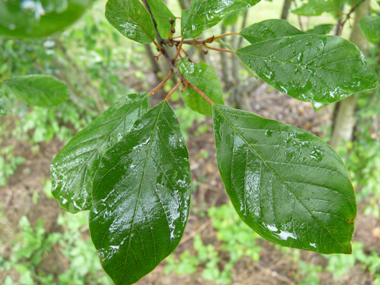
(37, 240)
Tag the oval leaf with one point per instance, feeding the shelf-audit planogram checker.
(38, 90)
(285, 183)
(162, 15)
(141, 197)
(5, 105)
(74, 167)
(203, 15)
(205, 78)
(311, 68)
(21, 18)
(370, 26)
(131, 19)
(269, 29)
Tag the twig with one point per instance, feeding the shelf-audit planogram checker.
(226, 35)
(273, 273)
(173, 90)
(197, 232)
(162, 83)
(218, 49)
(178, 49)
(202, 50)
(201, 93)
(352, 10)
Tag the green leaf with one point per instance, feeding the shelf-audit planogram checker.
(141, 197)
(74, 167)
(5, 105)
(370, 27)
(131, 19)
(311, 68)
(205, 79)
(323, 29)
(203, 15)
(20, 18)
(286, 184)
(38, 90)
(162, 16)
(313, 8)
(269, 29)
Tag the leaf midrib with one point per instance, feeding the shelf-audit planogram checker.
(275, 173)
(139, 191)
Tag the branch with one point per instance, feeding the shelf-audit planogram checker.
(201, 93)
(162, 83)
(353, 10)
(173, 90)
(158, 37)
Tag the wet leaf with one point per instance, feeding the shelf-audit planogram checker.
(74, 167)
(311, 68)
(38, 18)
(286, 184)
(370, 27)
(162, 16)
(141, 197)
(205, 79)
(203, 15)
(5, 105)
(131, 19)
(269, 29)
(323, 29)
(38, 90)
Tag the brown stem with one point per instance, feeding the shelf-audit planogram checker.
(226, 35)
(202, 50)
(173, 90)
(178, 50)
(161, 84)
(218, 49)
(201, 93)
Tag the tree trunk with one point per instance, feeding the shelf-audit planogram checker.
(285, 9)
(344, 118)
(184, 4)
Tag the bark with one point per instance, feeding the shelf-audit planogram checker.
(184, 4)
(344, 121)
(155, 67)
(225, 66)
(285, 9)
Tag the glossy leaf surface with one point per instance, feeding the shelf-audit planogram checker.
(203, 15)
(5, 105)
(285, 183)
(20, 18)
(204, 78)
(370, 27)
(269, 29)
(162, 16)
(141, 197)
(131, 19)
(74, 167)
(323, 29)
(311, 68)
(38, 90)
